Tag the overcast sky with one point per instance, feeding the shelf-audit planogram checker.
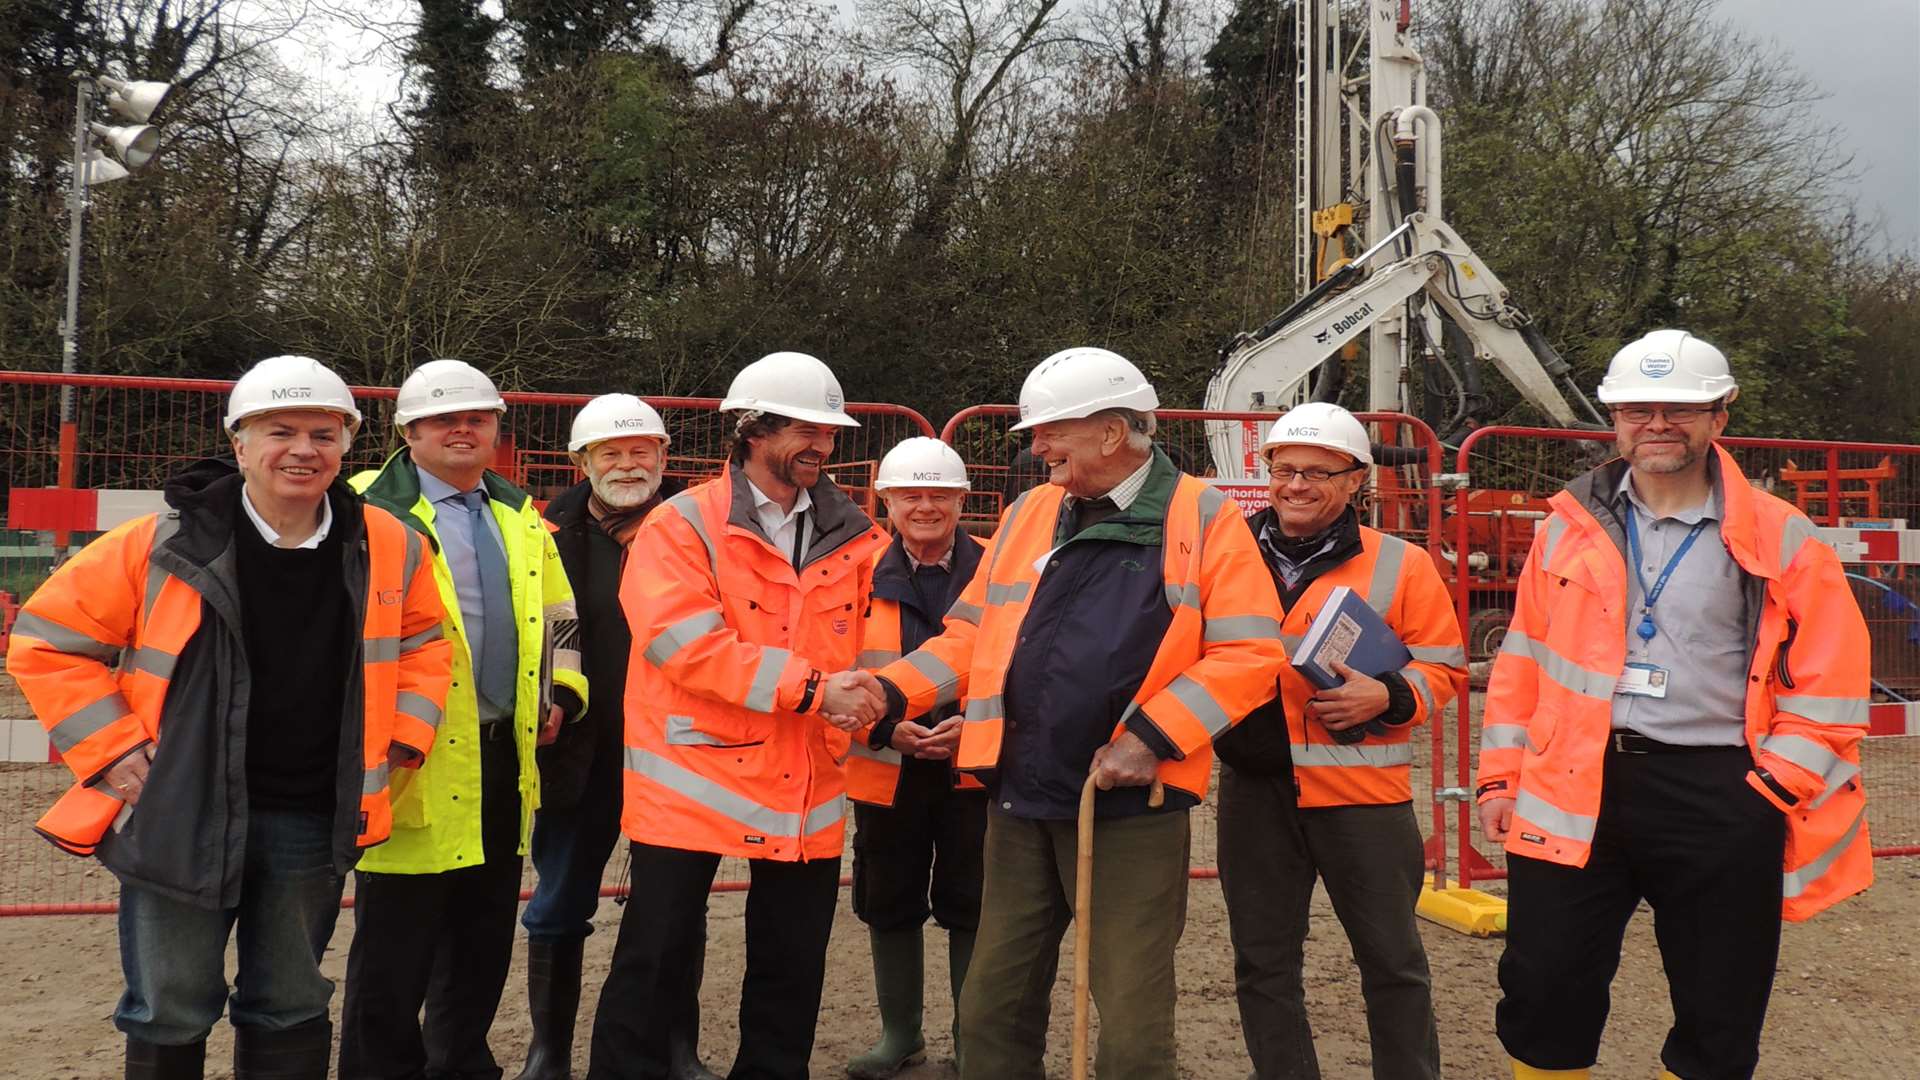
(1863, 54)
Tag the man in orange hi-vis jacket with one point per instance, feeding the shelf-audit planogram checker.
(743, 594)
(1675, 715)
(1120, 622)
(232, 681)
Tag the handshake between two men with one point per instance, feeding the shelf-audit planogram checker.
(854, 700)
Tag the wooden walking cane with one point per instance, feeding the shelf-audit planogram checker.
(1083, 918)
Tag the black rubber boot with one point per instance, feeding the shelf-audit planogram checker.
(553, 1003)
(683, 1040)
(301, 1052)
(959, 958)
(899, 982)
(153, 1061)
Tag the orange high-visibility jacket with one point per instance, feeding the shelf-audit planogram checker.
(725, 635)
(1218, 661)
(95, 651)
(873, 776)
(1397, 580)
(1550, 701)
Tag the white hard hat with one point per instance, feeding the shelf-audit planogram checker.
(279, 383)
(790, 384)
(921, 462)
(444, 386)
(1320, 423)
(615, 416)
(1079, 382)
(1667, 365)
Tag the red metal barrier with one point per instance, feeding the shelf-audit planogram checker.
(1881, 481)
(130, 434)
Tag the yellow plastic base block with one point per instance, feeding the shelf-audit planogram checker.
(1528, 1072)
(1469, 911)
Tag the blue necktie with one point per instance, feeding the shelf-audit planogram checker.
(497, 661)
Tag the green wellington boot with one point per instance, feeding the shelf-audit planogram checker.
(898, 979)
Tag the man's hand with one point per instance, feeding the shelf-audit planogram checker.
(550, 730)
(128, 776)
(852, 699)
(1354, 702)
(1124, 762)
(944, 738)
(911, 740)
(1496, 819)
(404, 757)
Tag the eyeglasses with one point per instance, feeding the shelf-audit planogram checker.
(1678, 415)
(1285, 474)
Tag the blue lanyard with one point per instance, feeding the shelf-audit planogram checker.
(1652, 596)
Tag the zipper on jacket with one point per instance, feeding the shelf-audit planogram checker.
(1780, 665)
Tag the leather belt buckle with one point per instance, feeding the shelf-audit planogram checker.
(1624, 743)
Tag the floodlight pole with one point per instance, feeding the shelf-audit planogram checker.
(70, 326)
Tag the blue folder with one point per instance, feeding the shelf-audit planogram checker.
(1348, 629)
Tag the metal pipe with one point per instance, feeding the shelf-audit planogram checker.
(76, 212)
(1426, 149)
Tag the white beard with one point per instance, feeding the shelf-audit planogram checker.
(625, 496)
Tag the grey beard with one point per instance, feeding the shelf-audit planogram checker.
(624, 498)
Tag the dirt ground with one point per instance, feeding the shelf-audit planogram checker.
(1843, 1002)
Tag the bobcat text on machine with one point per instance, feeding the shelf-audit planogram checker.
(1368, 154)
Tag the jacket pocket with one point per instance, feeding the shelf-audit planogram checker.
(726, 731)
(407, 789)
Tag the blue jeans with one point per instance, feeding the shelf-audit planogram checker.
(570, 849)
(173, 954)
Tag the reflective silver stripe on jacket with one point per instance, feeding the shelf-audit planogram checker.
(86, 721)
(375, 780)
(1386, 573)
(1573, 677)
(946, 682)
(873, 658)
(1832, 769)
(418, 706)
(965, 612)
(64, 639)
(689, 508)
(1795, 882)
(992, 707)
(381, 650)
(1187, 595)
(413, 642)
(886, 756)
(416, 551)
(1553, 819)
(680, 732)
(761, 819)
(1556, 528)
(1350, 756)
(1241, 628)
(766, 678)
(1417, 682)
(1201, 704)
(1825, 710)
(670, 640)
(1503, 737)
(1795, 531)
(153, 660)
(1010, 593)
(1450, 655)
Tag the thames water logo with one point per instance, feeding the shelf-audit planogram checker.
(835, 401)
(1656, 365)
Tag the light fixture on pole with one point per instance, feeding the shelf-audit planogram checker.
(134, 145)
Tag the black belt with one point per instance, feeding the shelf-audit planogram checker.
(1627, 742)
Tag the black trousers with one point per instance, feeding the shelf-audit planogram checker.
(1686, 833)
(789, 918)
(442, 942)
(1371, 861)
(920, 856)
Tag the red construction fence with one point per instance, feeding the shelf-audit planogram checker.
(1474, 509)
